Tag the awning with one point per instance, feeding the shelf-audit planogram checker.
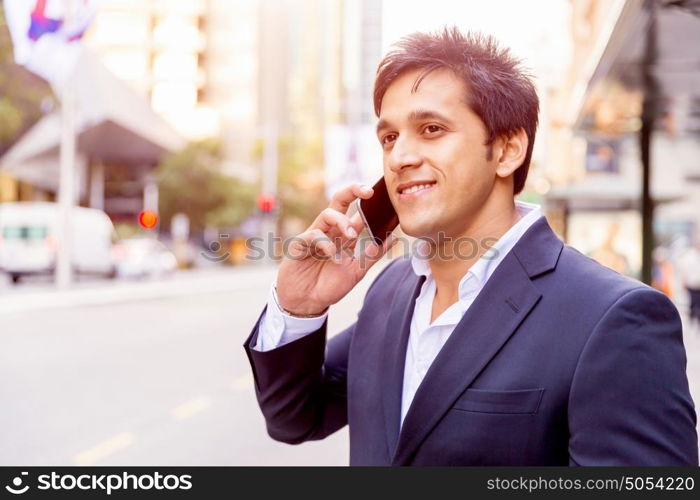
(603, 192)
(113, 123)
(677, 69)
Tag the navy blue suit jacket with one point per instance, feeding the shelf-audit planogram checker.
(559, 361)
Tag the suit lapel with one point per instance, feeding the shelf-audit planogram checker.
(395, 344)
(502, 305)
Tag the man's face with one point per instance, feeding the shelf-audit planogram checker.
(432, 137)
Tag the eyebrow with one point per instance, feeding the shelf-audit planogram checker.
(415, 116)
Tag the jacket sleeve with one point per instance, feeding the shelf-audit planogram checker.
(300, 390)
(629, 403)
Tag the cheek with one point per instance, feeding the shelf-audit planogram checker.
(464, 190)
(391, 184)
(459, 177)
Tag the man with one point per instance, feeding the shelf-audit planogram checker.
(528, 354)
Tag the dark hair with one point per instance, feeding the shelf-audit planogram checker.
(499, 91)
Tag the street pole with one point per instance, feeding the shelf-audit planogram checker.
(651, 95)
(270, 159)
(97, 185)
(66, 187)
(269, 185)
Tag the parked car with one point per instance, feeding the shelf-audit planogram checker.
(29, 240)
(143, 258)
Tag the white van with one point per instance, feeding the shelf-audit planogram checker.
(29, 242)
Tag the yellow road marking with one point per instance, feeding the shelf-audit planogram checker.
(190, 408)
(104, 449)
(243, 383)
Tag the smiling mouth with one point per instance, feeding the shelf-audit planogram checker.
(416, 188)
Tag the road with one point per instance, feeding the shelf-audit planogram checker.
(139, 380)
(153, 374)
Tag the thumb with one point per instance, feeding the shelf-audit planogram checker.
(372, 253)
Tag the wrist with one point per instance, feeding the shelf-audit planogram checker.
(297, 313)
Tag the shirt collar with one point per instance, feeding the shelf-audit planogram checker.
(483, 268)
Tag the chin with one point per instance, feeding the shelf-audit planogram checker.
(419, 230)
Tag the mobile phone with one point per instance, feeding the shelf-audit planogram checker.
(378, 213)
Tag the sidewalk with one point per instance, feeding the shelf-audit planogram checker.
(223, 279)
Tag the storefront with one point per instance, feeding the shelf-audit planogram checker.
(639, 117)
(119, 141)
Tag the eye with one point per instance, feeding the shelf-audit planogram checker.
(433, 129)
(387, 139)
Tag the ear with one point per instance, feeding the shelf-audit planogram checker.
(512, 153)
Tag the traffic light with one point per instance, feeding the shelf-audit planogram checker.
(148, 219)
(266, 202)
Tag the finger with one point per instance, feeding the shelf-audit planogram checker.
(376, 252)
(357, 223)
(312, 243)
(341, 200)
(329, 219)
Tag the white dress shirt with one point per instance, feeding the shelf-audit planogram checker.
(425, 339)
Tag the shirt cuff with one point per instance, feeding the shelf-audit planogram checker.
(278, 328)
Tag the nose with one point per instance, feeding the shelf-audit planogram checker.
(404, 153)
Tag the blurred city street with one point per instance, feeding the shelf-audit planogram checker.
(156, 377)
(156, 157)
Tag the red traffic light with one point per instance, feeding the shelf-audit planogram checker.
(266, 202)
(148, 219)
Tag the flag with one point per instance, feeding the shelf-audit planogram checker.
(46, 35)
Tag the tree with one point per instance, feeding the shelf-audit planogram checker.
(191, 181)
(300, 190)
(21, 93)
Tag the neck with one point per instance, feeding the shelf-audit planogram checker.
(453, 257)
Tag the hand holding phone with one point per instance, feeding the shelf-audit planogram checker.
(319, 268)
